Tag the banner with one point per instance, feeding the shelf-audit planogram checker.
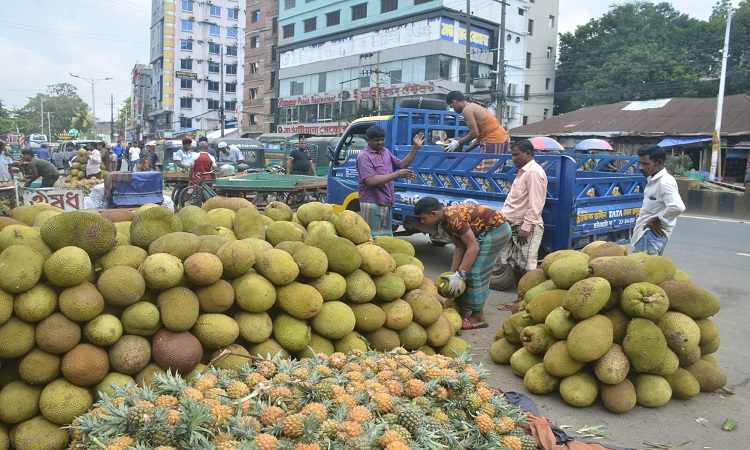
(67, 199)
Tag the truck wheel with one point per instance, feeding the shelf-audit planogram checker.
(423, 103)
(502, 278)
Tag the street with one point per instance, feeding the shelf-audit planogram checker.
(716, 255)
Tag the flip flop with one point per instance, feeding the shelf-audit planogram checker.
(467, 325)
(507, 306)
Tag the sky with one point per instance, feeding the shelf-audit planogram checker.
(43, 41)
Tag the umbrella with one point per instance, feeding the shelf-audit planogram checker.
(545, 144)
(593, 144)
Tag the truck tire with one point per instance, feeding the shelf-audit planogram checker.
(439, 237)
(423, 103)
(502, 278)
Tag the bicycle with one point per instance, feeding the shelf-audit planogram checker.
(196, 193)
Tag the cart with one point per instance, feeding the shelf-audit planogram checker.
(176, 180)
(261, 188)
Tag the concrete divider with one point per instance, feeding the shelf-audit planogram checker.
(734, 205)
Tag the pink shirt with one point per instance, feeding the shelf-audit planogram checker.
(527, 196)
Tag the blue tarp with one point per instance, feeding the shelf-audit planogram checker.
(145, 187)
(672, 141)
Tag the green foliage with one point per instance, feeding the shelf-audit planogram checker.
(679, 164)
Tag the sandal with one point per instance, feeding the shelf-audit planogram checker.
(467, 325)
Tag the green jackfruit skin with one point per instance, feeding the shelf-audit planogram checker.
(560, 322)
(644, 344)
(683, 383)
(568, 270)
(293, 334)
(710, 376)
(343, 256)
(659, 269)
(501, 350)
(580, 389)
(90, 232)
(334, 321)
(21, 269)
(590, 338)
(547, 285)
(618, 398)
(352, 226)
(587, 297)
(690, 299)
(529, 280)
(620, 271)
(544, 303)
(539, 381)
(395, 245)
(513, 325)
(537, 339)
(558, 363)
(613, 367)
(651, 390)
(645, 300)
(152, 223)
(681, 332)
(554, 256)
(521, 361)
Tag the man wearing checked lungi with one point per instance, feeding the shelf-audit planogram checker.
(377, 168)
(478, 233)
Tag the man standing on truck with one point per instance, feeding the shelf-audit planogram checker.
(478, 234)
(661, 203)
(299, 161)
(523, 209)
(377, 168)
(483, 127)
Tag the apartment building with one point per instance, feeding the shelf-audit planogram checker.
(260, 81)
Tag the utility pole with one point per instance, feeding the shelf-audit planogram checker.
(716, 141)
(377, 83)
(111, 115)
(467, 73)
(221, 89)
(41, 114)
(500, 109)
(49, 127)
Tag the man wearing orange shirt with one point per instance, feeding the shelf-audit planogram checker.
(523, 209)
(483, 127)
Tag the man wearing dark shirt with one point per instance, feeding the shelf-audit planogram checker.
(40, 168)
(299, 161)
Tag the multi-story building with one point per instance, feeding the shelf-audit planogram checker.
(259, 83)
(197, 64)
(541, 54)
(138, 124)
(339, 60)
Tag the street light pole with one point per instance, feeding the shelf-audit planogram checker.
(92, 82)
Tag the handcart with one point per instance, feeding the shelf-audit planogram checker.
(261, 188)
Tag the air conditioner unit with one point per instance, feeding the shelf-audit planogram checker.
(190, 38)
(198, 99)
(210, 59)
(199, 61)
(207, 78)
(190, 96)
(235, 26)
(189, 57)
(191, 18)
(210, 39)
(209, 2)
(182, 115)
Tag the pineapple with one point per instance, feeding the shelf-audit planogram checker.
(319, 409)
(237, 389)
(410, 418)
(329, 428)
(164, 436)
(120, 443)
(484, 423)
(512, 442)
(292, 425)
(528, 442)
(266, 368)
(265, 441)
(388, 438)
(348, 430)
(359, 414)
(207, 381)
(398, 446)
(166, 401)
(271, 414)
(414, 388)
(139, 416)
(504, 425)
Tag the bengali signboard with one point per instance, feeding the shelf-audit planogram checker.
(184, 74)
(67, 199)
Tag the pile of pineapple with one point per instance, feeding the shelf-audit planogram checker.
(361, 400)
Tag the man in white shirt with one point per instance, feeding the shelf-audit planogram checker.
(230, 154)
(661, 203)
(135, 154)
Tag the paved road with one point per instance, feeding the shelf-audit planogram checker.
(716, 255)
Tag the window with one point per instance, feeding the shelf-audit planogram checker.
(526, 91)
(231, 50)
(322, 82)
(186, 25)
(310, 25)
(552, 21)
(230, 106)
(296, 88)
(531, 27)
(213, 86)
(213, 67)
(187, 5)
(230, 87)
(388, 5)
(252, 93)
(333, 18)
(521, 11)
(214, 11)
(255, 16)
(186, 44)
(214, 30)
(359, 11)
(528, 60)
(213, 104)
(214, 48)
(525, 120)
(420, 2)
(232, 32)
(289, 4)
(186, 122)
(254, 67)
(273, 53)
(550, 52)
(546, 113)
(287, 31)
(186, 83)
(274, 25)
(273, 81)
(231, 69)
(395, 76)
(252, 119)
(186, 103)
(186, 64)
(254, 41)
(547, 83)
(233, 13)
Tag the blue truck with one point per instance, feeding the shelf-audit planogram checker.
(589, 197)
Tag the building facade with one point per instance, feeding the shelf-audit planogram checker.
(260, 80)
(197, 68)
(539, 62)
(137, 123)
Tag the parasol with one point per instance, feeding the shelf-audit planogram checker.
(545, 144)
(593, 144)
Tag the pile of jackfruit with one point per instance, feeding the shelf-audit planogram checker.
(77, 172)
(89, 299)
(601, 324)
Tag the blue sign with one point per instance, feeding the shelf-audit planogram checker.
(451, 29)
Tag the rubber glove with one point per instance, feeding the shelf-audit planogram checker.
(454, 283)
(453, 146)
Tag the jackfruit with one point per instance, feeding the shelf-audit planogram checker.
(6, 306)
(253, 293)
(398, 314)
(38, 368)
(536, 339)
(568, 270)
(146, 376)
(81, 303)
(334, 321)
(521, 361)
(546, 285)
(16, 338)
(352, 226)
(36, 304)
(19, 401)
(221, 217)
(130, 354)
(425, 306)
(368, 317)
(401, 259)
(161, 271)
(350, 342)
(212, 243)
(106, 386)
(690, 299)
(205, 229)
(557, 361)
(217, 297)
(90, 232)
(580, 389)
(389, 287)
(413, 337)
(587, 297)
(331, 286)
(645, 300)
(375, 260)
(590, 338)
(284, 231)
(152, 223)
(179, 243)
(618, 398)
(234, 361)
(121, 255)
(456, 346)
(708, 330)
(215, 330)
(319, 232)
(291, 333)
(681, 332)
(26, 236)
(550, 258)
(141, 319)
(254, 327)
(619, 324)
(501, 350)
(539, 381)
(314, 211)
(317, 345)
(299, 300)
(680, 275)
(559, 321)
(192, 215)
(607, 249)
(56, 334)
(343, 256)
(683, 383)
(277, 266)
(103, 330)
(21, 269)
(710, 376)
(278, 212)
(513, 325)
(613, 366)
(658, 269)
(440, 332)
(227, 233)
(619, 271)
(383, 339)
(668, 365)
(542, 304)
(39, 433)
(203, 269)
(412, 275)
(312, 261)
(179, 308)
(644, 344)
(268, 349)
(530, 279)
(651, 390)
(359, 287)
(395, 245)
(689, 358)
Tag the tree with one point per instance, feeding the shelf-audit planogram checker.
(637, 50)
(123, 115)
(6, 120)
(61, 102)
(82, 120)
